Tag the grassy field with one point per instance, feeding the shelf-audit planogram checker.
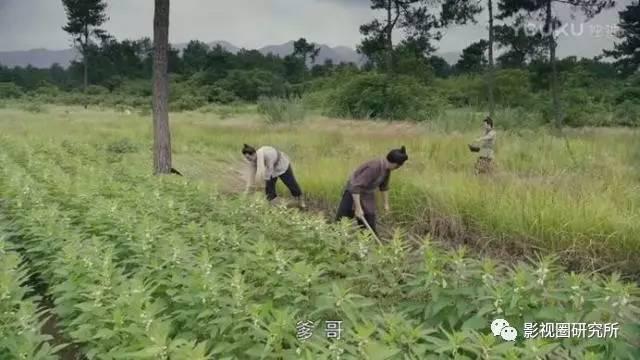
(577, 197)
(137, 266)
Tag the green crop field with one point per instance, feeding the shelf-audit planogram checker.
(148, 267)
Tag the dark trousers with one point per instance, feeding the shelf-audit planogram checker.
(346, 210)
(288, 179)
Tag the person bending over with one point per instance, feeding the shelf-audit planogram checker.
(358, 198)
(269, 164)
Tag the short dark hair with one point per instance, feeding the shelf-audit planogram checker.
(398, 156)
(247, 149)
(489, 121)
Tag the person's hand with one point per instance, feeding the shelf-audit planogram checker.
(359, 213)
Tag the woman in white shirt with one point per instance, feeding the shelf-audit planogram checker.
(269, 164)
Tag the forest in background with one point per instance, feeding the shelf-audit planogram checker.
(401, 81)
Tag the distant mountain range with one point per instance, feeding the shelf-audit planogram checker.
(40, 58)
(44, 58)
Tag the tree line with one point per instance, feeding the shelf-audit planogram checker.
(213, 74)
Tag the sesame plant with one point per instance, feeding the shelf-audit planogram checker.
(21, 317)
(167, 268)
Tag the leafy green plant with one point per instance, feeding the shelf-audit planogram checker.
(20, 316)
(627, 114)
(147, 267)
(188, 103)
(374, 96)
(97, 90)
(122, 146)
(9, 90)
(250, 85)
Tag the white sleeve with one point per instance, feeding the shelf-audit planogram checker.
(260, 171)
(251, 176)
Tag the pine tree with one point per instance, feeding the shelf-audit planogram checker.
(627, 51)
(84, 18)
(543, 10)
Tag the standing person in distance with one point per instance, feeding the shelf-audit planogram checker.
(486, 147)
(268, 164)
(358, 198)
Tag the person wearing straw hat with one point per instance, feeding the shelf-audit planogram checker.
(270, 164)
(358, 197)
(485, 146)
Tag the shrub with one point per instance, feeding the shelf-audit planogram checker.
(71, 98)
(47, 91)
(216, 94)
(138, 102)
(122, 146)
(374, 96)
(188, 103)
(580, 109)
(512, 88)
(280, 110)
(628, 94)
(113, 82)
(250, 85)
(316, 99)
(34, 107)
(140, 88)
(627, 114)
(630, 91)
(145, 111)
(462, 91)
(9, 90)
(97, 90)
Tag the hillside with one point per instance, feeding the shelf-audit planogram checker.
(44, 58)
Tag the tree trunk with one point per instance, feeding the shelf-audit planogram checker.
(557, 116)
(161, 131)
(85, 56)
(304, 73)
(389, 39)
(492, 102)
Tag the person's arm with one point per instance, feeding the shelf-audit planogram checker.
(251, 177)
(384, 189)
(487, 136)
(357, 205)
(260, 168)
(361, 182)
(385, 198)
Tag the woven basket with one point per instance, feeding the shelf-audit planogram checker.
(474, 148)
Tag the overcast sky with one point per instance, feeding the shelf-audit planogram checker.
(28, 24)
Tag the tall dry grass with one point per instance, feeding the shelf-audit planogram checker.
(578, 197)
